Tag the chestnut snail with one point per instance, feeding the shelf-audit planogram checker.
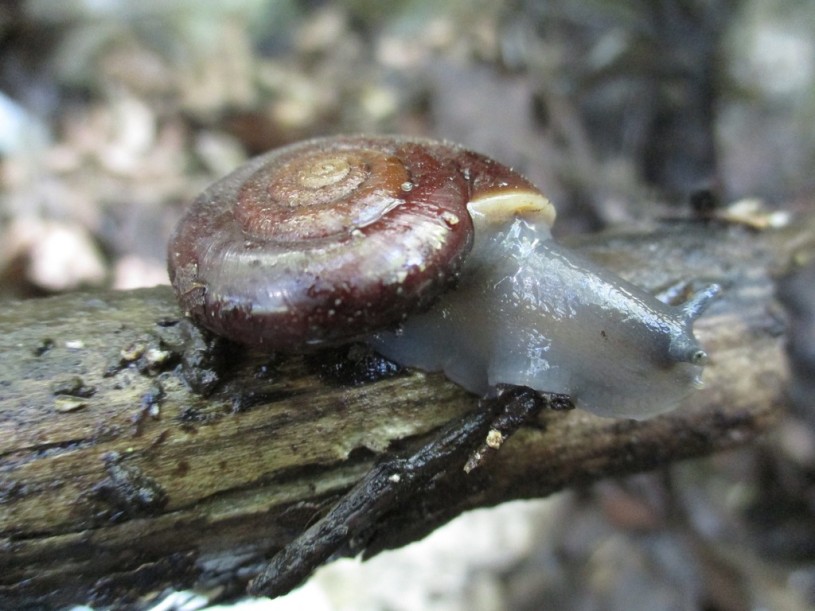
(441, 259)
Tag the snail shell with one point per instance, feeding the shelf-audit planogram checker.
(327, 240)
(439, 257)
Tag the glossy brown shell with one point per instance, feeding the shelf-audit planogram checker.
(327, 240)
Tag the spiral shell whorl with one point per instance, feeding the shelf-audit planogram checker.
(302, 195)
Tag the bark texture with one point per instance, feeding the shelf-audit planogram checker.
(117, 480)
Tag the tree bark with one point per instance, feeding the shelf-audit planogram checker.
(117, 480)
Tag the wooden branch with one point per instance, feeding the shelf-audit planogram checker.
(117, 481)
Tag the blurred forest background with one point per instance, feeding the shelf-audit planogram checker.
(115, 114)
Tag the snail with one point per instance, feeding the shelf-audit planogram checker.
(441, 259)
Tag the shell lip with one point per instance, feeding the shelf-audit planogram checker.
(498, 208)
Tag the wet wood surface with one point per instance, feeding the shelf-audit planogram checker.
(117, 480)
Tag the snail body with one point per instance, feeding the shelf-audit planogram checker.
(441, 259)
(530, 312)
